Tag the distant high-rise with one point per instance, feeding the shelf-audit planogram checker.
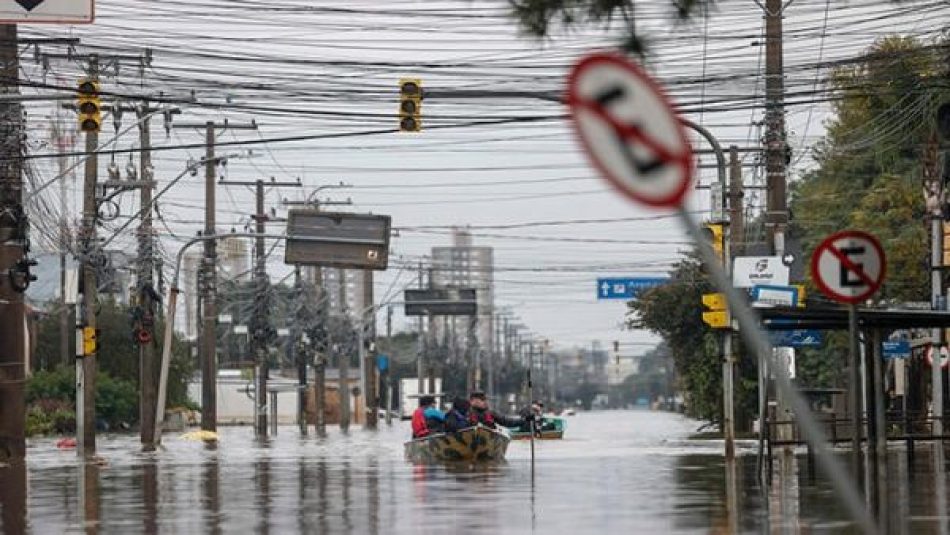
(463, 265)
(234, 259)
(353, 278)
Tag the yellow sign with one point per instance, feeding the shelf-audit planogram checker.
(718, 319)
(801, 294)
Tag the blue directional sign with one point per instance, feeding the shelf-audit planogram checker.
(796, 338)
(897, 349)
(627, 287)
(382, 362)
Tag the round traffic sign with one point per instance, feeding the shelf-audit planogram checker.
(629, 130)
(849, 266)
(944, 356)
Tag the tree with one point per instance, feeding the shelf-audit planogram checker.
(539, 18)
(869, 175)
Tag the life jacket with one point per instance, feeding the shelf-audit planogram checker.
(419, 427)
(487, 418)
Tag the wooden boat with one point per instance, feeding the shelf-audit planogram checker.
(551, 428)
(475, 444)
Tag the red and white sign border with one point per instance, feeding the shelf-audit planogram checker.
(684, 160)
(929, 356)
(828, 243)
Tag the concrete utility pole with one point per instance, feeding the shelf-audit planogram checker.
(343, 358)
(12, 252)
(776, 157)
(86, 366)
(208, 288)
(731, 248)
(368, 324)
(935, 196)
(147, 363)
(260, 323)
(59, 140)
(298, 354)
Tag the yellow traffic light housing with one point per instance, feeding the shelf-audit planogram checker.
(89, 344)
(89, 106)
(410, 105)
(716, 237)
(717, 316)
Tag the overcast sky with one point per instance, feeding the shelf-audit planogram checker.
(303, 68)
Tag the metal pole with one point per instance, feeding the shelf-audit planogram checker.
(298, 356)
(420, 357)
(209, 313)
(880, 426)
(854, 353)
(59, 139)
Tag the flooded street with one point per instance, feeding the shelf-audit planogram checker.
(615, 472)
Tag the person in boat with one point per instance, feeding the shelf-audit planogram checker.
(480, 413)
(529, 414)
(427, 419)
(457, 417)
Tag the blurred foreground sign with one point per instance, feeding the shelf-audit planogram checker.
(46, 11)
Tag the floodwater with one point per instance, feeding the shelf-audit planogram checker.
(614, 472)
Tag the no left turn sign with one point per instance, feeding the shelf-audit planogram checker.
(629, 129)
(849, 266)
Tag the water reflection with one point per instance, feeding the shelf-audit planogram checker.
(618, 472)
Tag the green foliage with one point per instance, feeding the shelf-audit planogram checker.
(869, 175)
(540, 18)
(50, 396)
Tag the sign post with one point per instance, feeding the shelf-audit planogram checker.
(849, 267)
(632, 136)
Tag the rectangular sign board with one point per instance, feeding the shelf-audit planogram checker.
(441, 302)
(340, 240)
(775, 295)
(47, 11)
(626, 287)
(796, 338)
(896, 349)
(749, 271)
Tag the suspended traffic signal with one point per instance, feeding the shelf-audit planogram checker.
(716, 311)
(89, 106)
(410, 105)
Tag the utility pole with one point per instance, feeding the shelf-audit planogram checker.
(935, 197)
(86, 366)
(368, 325)
(148, 395)
(730, 249)
(261, 330)
(60, 140)
(343, 358)
(736, 208)
(12, 253)
(209, 312)
(387, 384)
(298, 355)
(776, 154)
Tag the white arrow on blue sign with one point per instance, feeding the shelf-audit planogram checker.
(626, 287)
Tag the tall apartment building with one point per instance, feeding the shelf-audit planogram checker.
(462, 265)
(353, 292)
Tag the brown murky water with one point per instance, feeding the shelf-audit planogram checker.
(615, 472)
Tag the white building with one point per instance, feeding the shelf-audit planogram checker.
(463, 265)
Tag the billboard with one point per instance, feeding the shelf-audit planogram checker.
(340, 240)
(441, 302)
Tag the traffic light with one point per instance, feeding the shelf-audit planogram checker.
(946, 244)
(715, 236)
(89, 344)
(89, 106)
(717, 315)
(410, 105)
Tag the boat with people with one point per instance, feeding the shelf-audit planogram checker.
(549, 428)
(478, 443)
